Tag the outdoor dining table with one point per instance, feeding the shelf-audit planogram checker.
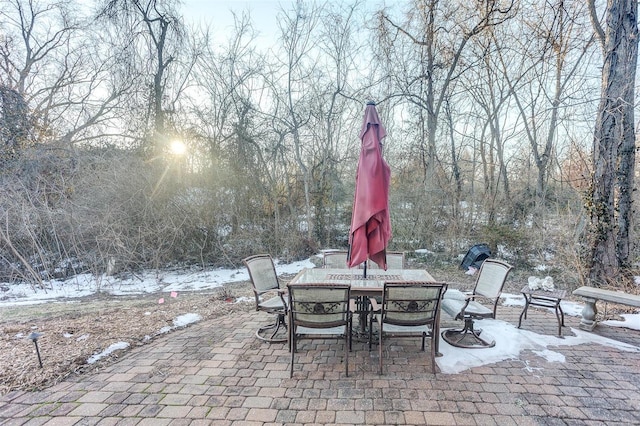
(370, 286)
(361, 287)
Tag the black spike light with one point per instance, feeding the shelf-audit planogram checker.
(34, 338)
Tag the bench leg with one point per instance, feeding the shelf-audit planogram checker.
(588, 321)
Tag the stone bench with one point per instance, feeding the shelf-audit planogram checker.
(593, 294)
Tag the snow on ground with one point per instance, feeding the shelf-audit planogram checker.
(510, 343)
(112, 348)
(148, 282)
(510, 340)
(630, 321)
(181, 321)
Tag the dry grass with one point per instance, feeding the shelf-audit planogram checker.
(73, 332)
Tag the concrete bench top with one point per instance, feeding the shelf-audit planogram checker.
(608, 295)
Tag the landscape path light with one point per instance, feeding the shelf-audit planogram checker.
(34, 338)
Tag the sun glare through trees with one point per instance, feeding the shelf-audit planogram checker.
(178, 148)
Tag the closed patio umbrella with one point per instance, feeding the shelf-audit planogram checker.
(370, 224)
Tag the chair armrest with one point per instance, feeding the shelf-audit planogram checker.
(282, 292)
(464, 308)
(375, 307)
(455, 294)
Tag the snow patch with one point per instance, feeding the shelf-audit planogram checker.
(510, 341)
(185, 320)
(630, 321)
(112, 348)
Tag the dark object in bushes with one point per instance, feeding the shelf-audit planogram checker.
(475, 256)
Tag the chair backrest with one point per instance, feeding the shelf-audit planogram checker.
(319, 305)
(335, 259)
(395, 260)
(491, 279)
(262, 272)
(411, 303)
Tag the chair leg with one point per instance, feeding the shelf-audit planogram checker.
(293, 350)
(370, 330)
(347, 349)
(380, 350)
(456, 337)
(290, 330)
(433, 352)
(436, 336)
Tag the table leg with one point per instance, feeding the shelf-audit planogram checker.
(560, 316)
(362, 309)
(559, 321)
(363, 312)
(524, 311)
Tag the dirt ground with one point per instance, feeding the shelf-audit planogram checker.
(71, 332)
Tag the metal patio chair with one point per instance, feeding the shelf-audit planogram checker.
(489, 283)
(319, 311)
(264, 280)
(408, 309)
(395, 260)
(335, 260)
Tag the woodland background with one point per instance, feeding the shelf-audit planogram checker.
(131, 139)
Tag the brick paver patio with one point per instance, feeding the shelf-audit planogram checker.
(218, 373)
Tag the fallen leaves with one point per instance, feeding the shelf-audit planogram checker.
(74, 332)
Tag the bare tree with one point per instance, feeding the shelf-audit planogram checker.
(439, 32)
(544, 83)
(610, 200)
(296, 67)
(491, 99)
(241, 156)
(154, 37)
(334, 117)
(51, 59)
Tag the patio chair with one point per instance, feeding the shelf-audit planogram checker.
(489, 283)
(264, 279)
(408, 309)
(319, 311)
(395, 260)
(335, 260)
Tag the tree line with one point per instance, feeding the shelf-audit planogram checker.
(489, 107)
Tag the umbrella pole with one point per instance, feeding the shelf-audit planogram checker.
(365, 269)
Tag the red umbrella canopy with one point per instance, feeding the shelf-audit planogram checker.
(370, 223)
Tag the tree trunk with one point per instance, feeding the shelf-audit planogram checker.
(614, 146)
